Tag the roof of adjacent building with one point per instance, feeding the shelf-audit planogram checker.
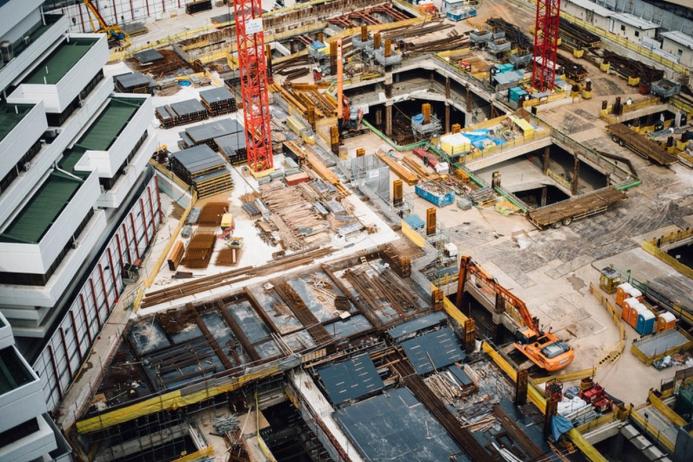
(60, 61)
(112, 120)
(42, 210)
(634, 21)
(679, 37)
(591, 6)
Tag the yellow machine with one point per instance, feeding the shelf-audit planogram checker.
(116, 37)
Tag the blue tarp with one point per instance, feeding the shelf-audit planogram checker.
(560, 426)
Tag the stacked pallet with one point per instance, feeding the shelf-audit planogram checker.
(200, 249)
(176, 256)
(203, 169)
(208, 133)
(181, 113)
(218, 101)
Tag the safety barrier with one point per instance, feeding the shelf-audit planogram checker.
(620, 346)
(203, 453)
(172, 400)
(412, 235)
(668, 412)
(652, 249)
(652, 431)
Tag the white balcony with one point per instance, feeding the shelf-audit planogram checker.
(13, 12)
(6, 338)
(115, 196)
(29, 124)
(64, 73)
(33, 446)
(114, 134)
(42, 39)
(48, 295)
(21, 391)
(21, 188)
(37, 234)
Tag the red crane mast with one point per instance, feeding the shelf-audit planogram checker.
(546, 31)
(252, 64)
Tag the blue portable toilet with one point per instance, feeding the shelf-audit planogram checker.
(646, 322)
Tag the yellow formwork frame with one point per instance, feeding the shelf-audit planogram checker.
(668, 412)
(197, 455)
(168, 401)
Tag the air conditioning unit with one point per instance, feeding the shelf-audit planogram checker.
(24, 166)
(6, 54)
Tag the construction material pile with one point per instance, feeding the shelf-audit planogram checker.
(203, 169)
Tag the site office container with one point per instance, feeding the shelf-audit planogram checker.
(665, 321)
(624, 291)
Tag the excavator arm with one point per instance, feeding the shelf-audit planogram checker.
(546, 350)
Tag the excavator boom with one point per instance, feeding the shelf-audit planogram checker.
(545, 349)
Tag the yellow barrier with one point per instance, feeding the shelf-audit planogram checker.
(668, 412)
(412, 235)
(620, 346)
(569, 377)
(197, 455)
(652, 431)
(668, 259)
(598, 422)
(168, 401)
(453, 312)
(585, 447)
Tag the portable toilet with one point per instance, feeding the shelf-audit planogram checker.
(629, 311)
(624, 291)
(646, 321)
(666, 321)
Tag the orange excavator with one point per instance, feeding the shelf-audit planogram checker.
(545, 349)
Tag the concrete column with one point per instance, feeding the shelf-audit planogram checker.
(468, 99)
(576, 174)
(544, 195)
(447, 117)
(545, 159)
(388, 118)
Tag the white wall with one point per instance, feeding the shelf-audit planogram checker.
(56, 97)
(686, 56)
(21, 188)
(630, 31)
(13, 12)
(31, 54)
(16, 143)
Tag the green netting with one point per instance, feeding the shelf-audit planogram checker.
(41, 211)
(10, 116)
(109, 124)
(58, 63)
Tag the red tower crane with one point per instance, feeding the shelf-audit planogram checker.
(252, 66)
(545, 44)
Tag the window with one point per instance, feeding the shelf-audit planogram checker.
(623, 28)
(680, 51)
(637, 33)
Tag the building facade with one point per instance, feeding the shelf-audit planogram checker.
(26, 432)
(680, 45)
(78, 201)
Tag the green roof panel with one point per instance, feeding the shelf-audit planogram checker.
(60, 61)
(42, 210)
(103, 132)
